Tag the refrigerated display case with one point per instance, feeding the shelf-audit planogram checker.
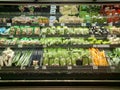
(60, 41)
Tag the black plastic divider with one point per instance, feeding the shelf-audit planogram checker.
(23, 47)
(59, 24)
(58, 69)
(63, 46)
(60, 2)
(59, 73)
(56, 35)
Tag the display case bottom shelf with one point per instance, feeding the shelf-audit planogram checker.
(70, 83)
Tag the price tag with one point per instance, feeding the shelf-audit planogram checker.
(69, 67)
(53, 11)
(20, 46)
(22, 15)
(109, 36)
(53, 6)
(112, 67)
(95, 67)
(44, 67)
(92, 35)
(22, 68)
(52, 18)
(110, 24)
(93, 24)
(115, 36)
(105, 22)
(43, 36)
(45, 46)
(83, 24)
(8, 24)
(11, 36)
(36, 67)
(50, 24)
(42, 24)
(101, 46)
(62, 24)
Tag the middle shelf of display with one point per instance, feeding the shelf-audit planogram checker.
(105, 46)
(60, 31)
(60, 69)
(47, 24)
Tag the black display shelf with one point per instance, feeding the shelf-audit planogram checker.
(57, 35)
(66, 35)
(59, 69)
(15, 14)
(62, 46)
(58, 24)
(19, 24)
(22, 46)
(16, 2)
(58, 73)
(86, 46)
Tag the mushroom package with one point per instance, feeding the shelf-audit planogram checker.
(6, 57)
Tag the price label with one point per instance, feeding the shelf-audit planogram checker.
(53, 6)
(93, 24)
(53, 11)
(83, 24)
(44, 67)
(110, 24)
(101, 46)
(92, 35)
(112, 67)
(105, 22)
(22, 68)
(69, 67)
(62, 24)
(43, 36)
(11, 36)
(42, 24)
(20, 46)
(22, 15)
(95, 67)
(52, 18)
(115, 36)
(36, 67)
(8, 24)
(50, 24)
(44, 46)
(109, 36)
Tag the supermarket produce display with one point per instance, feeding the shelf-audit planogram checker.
(60, 39)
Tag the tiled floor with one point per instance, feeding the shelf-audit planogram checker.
(61, 88)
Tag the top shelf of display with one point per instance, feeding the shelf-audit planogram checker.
(17, 0)
(80, 1)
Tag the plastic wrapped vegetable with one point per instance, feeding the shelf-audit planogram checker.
(6, 58)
